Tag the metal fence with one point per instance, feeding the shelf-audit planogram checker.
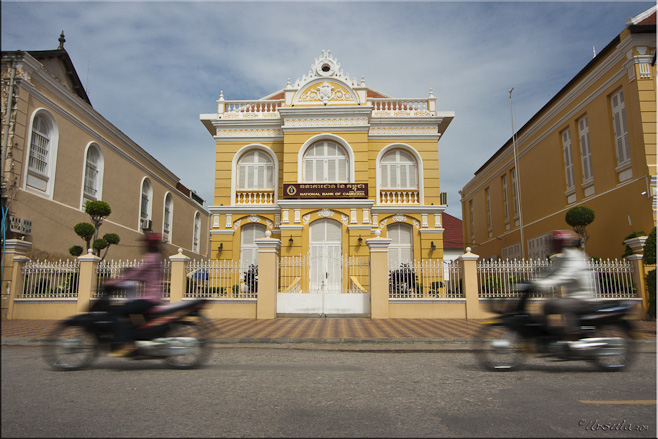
(429, 278)
(50, 280)
(221, 279)
(610, 279)
(113, 269)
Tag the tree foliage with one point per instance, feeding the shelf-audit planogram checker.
(97, 211)
(650, 248)
(579, 218)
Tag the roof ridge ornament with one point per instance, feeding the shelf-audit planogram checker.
(326, 66)
(61, 40)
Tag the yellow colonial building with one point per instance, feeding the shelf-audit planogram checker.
(324, 165)
(593, 144)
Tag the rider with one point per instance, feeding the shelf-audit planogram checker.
(569, 269)
(150, 273)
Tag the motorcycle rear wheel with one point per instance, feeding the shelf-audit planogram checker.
(200, 353)
(499, 349)
(70, 348)
(618, 355)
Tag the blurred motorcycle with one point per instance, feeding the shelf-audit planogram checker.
(504, 342)
(174, 332)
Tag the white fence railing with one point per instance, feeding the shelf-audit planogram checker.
(50, 280)
(610, 279)
(429, 278)
(113, 269)
(295, 274)
(221, 279)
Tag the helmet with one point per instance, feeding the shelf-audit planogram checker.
(561, 239)
(153, 238)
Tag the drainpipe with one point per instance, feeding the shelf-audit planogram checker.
(5, 137)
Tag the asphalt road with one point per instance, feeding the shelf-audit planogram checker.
(266, 392)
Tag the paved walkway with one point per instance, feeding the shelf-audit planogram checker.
(387, 332)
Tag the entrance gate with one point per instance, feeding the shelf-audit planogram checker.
(321, 284)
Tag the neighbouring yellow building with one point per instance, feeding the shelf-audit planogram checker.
(322, 165)
(593, 144)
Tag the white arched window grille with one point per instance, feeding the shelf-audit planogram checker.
(167, 217)
(255, 171)
(42, 154)
(326, 162)
(93, 178)
(248, 247)
(196, 237)
(401, 250)
(146, 203)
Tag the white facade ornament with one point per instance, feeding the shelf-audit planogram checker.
(229, 221)
(269, 223)
(253, 218)
(398, 217)
(416, 223)
(383, 223)
(237, 224)
(306, 218)
(345, 219)
(325, 213)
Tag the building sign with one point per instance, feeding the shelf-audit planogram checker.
(326, 190)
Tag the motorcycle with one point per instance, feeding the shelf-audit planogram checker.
(175, 332)
(607, 336)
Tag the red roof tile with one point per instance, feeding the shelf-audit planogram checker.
(453, 237)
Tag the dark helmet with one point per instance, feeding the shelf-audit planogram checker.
(153, 240)
(561, 239)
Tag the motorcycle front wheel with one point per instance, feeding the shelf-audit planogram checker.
(619, 348)
(199, 353)
(70, 348)
(497, 348)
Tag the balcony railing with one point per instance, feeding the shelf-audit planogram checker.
(249, 109)
(400, 107)
(399, 197)
(256, 197)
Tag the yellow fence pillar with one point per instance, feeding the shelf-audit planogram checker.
(268, 275)
(637, 245)
(378, 247)
(470, 284)
(87, 281)
(178, 283)
(12, 281)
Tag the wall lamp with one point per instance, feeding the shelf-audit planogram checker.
(432, 246)
(221, 247)
(290, 241)
(360, 239)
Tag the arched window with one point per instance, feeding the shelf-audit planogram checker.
(196, 238)
(401, 250)
(326, 162)
(93, 178)
(42, 155)
(398, 170)
(145, 222)
(248, 247)
(255, 171)
(167, 217)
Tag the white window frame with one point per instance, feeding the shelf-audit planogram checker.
(585, 150)
(325, 168)
(167, 217)
(234, 167)
(97, 181)
(402, 167)
(487, 196)
(505, 201)
(42, 181)
(565, 135)
(419, 168)
(145, 202)
(318, 138)
(622, 145)
(196, 232)
(263, 163)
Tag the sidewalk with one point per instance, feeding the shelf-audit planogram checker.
(326, 333)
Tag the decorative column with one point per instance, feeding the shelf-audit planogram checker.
(378, 247)
(470, 283)
(268, 275)
(88, 280)
(636, 260)
(12, 280)
(178, 283)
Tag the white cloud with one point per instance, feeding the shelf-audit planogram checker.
(152, 67)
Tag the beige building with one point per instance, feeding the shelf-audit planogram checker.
(58, 153)
(593, 144)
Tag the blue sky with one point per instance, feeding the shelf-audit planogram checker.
(151, 68)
